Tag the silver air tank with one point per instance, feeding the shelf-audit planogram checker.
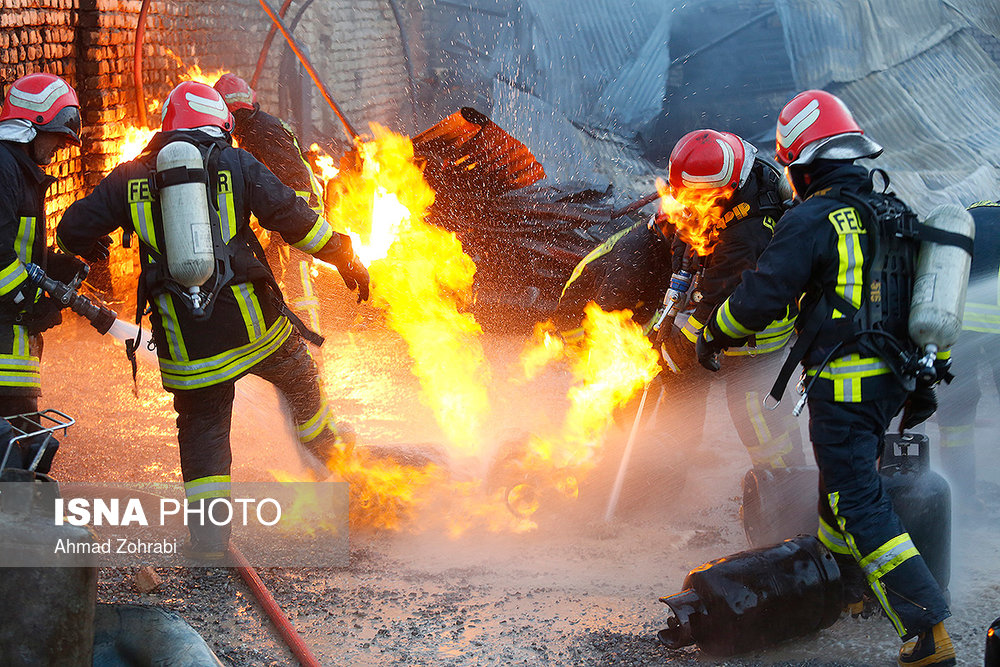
(187, 228)
(940, 283)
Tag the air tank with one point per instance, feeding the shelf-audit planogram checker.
(941, 279)
(756, 598)
(921, 498)
(187, 228)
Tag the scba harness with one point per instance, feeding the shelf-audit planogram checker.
(879, 327)
(237, 259)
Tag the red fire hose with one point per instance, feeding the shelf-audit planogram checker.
(273, 611)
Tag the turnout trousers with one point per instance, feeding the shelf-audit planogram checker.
(856, 514)
(204, 420)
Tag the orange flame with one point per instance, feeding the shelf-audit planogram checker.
(696, 213)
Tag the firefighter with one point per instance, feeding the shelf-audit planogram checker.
(720, 167)
(40, 115)
(248, 328)
(824, 249)
(272, 141)
(976, 349)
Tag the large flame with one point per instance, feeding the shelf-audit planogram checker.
(422, 280)
(696, 213)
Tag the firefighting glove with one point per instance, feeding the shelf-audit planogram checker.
(353, 272)
(63, 268)
(708, 349)
(99, 250)
(44, 315)
(676, 351)
(919, 406)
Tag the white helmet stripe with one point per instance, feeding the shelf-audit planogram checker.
(803, 120)
(721, 179)
(206, 105)
(41, 101)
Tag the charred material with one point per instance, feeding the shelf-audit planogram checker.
(756, 598)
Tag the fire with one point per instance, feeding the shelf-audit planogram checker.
(132, 143)
(323, 164)
(697, 215)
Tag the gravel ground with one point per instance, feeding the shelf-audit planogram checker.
(577, 591)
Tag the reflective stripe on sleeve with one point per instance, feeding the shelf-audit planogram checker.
(316, 238)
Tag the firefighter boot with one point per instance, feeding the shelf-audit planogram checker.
(931, 647)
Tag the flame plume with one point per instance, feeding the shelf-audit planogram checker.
(697, 215)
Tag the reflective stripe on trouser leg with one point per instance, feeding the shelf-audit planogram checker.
(771, 437)
(846, 439)
(204, 418)
(294, 373)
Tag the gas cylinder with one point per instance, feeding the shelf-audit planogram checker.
(778, 503)
(993, 645)
(941, 280)
(187, 228)
(756, 598)
(921, 498)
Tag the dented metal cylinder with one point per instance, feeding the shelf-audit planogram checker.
(992, 655)
(756, 598)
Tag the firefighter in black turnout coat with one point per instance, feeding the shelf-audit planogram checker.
(40, 114)
(245, 328)
(823, 249)
(274, 144)
(741, 201)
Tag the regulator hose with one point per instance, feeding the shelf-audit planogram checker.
(273, 611)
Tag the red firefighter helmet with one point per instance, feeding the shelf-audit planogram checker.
(710, 160)
(47, 102)
(817, 124)
(236, 92)
(192, 104)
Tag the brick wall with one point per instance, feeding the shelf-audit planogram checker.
(354, 43)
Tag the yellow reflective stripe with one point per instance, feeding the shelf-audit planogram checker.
(26, 238)
(981, 317)
(142, 222)
(316, 238)
(311, 428)
(770, 339)
(832, 538)
(227, 214)
(62, 246)
(692, 327)
(876, 584)
(308, 301)
(849, 280)
(596, 253)
(253, 317)
(888, 556)
(214, 486)
(728, 324)
(226, 365)
(21, 348)
(852, 366)
(171, 327)
(16, 371)
(12, 276)
(957, 436)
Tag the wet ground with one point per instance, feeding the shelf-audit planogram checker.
(577, 591)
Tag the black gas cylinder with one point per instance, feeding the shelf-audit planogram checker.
(993, 645)
(756, 598)
(921, 498)
(779, 503)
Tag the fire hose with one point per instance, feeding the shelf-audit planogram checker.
(273, 611)
(100, 316)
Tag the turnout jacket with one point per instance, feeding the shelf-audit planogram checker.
(819, 245)
(982, 304)
(749, 220)
(22, 240)
(272, 142)
(247, 323)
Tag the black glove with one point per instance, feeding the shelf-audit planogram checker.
(676, 351)
(351, 269)
(44, 315)
(919, 406)
(708, 349)
(63, 268)
(99, 250)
